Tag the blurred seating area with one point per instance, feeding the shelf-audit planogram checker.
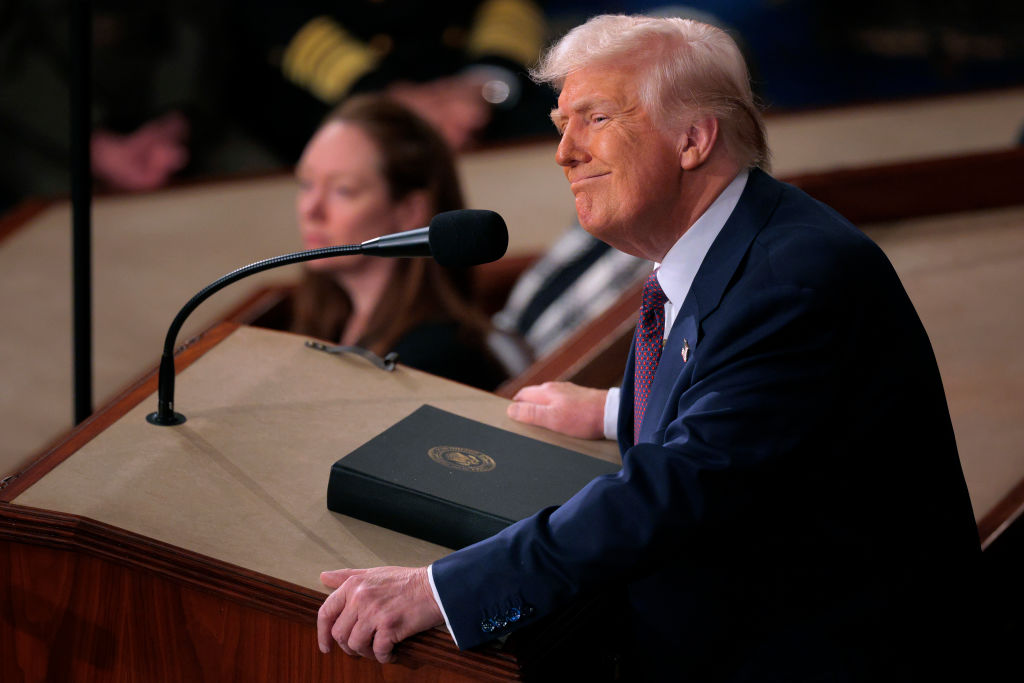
(202, 89)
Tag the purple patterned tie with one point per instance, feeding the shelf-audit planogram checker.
(649, 338)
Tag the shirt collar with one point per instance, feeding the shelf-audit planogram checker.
(678, 269)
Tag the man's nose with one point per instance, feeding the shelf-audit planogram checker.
(570, 150)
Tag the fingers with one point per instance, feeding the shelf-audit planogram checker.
(334, 579)
(373, 609)
(327, 617)
(538, 393)
(561, 407)
(359, 637)
(384, 649)
(361, 640)
(140, 161)
(341, 632)
(532, 404)
(524, 412)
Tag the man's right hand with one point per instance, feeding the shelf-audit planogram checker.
(561, 407)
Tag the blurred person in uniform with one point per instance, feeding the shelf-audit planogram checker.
(461, 65)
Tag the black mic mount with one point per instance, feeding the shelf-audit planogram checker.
(455, 238)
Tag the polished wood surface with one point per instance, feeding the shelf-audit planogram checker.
(911, 189)
(94, 578)
(1005, 514)
(84, 602)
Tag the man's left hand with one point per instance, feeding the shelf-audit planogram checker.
(373, 609)
(562, 407)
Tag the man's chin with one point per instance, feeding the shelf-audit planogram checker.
(599, 227)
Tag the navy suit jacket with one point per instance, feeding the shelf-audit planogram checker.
(795, 508)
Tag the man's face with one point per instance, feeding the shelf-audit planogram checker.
(623, 171)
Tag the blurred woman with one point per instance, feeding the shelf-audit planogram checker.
(371, 169)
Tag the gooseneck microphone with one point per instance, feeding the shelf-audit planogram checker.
(466, 237)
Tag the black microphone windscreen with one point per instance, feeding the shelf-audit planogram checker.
(467, 237)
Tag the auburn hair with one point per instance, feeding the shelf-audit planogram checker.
(413, 157)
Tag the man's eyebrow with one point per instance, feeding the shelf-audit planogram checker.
(581, 106)
(585, 104)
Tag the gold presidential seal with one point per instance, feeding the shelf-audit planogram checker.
(465, 459)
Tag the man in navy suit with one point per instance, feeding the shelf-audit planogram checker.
(791, 504)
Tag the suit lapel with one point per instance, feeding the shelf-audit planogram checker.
(755, 207)
(624, 423)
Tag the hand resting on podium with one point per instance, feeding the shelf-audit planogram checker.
(561, 407)
(372, 610)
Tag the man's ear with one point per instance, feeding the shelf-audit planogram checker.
(414, 210)
(697, 142)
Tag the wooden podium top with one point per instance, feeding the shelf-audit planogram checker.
(244, 479)
(227, 513)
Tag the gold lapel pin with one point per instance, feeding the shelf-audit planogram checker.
(686, 350)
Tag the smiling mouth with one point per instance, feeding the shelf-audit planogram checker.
(577, 181)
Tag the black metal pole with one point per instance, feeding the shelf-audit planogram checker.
(81, 206)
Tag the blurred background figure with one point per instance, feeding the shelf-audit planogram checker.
(206, 88)
(572, 283)
(461, 65)
(35, 70)
(199, 88)
(155, 110)
(374, 168)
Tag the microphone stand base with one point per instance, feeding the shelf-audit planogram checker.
(157, 419)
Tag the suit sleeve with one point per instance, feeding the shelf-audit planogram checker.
(762, 377)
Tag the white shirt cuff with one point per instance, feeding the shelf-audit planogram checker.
(611, 414)
(437, 599)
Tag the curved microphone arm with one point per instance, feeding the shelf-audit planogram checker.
(165, 415)
(465, 237)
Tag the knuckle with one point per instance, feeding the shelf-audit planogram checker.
(389, 624)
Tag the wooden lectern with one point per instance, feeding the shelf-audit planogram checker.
(192, 553)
